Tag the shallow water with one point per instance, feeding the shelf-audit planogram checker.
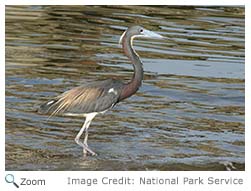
(188, 115)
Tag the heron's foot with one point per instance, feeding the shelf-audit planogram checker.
(86, 149)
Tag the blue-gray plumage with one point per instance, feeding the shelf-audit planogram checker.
(97, 97)
(94, 98)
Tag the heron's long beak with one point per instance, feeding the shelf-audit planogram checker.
(150, 34)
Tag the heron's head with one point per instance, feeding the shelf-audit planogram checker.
(138, 31)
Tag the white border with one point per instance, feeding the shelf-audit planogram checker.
(128, 2)
(247, 87)
(2, 88)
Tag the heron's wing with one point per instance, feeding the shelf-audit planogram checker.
(93, 97)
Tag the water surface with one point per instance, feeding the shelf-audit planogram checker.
(188, 115)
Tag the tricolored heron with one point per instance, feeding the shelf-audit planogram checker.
(91, 99)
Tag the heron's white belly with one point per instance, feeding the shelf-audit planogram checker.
(93, 114)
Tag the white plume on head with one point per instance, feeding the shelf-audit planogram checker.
(122, 36)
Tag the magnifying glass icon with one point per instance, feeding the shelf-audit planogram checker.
(9, 178)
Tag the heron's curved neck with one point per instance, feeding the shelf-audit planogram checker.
(136, 81)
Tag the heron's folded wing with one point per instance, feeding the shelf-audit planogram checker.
(84, 99)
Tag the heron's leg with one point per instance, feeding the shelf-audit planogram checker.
(85, 142)
(86, 136)
(89, 118)
(77, 138)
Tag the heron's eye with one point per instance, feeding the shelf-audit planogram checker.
(141, 30)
